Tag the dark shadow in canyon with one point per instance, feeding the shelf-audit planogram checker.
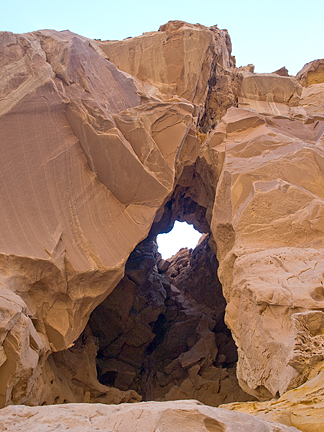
(161, 332)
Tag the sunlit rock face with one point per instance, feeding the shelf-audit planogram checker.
(145, 416)
(104, 145)
(90, 156)
(178, 59)
(270, 237)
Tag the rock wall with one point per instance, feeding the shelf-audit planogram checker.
(270, 232)
(88, 172)
(106, 144)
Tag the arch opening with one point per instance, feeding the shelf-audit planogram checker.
(161, 332)
(182, 235)
(163, 325)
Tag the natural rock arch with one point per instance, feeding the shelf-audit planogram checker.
(106, 140)
(169, 340)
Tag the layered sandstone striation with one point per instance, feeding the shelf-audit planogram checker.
(92, 155)
(104, 145)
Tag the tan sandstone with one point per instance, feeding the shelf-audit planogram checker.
(105, 144)
(182, 416)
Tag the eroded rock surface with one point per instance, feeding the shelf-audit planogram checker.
(145, 416)
(271, 225)
(89, 170)
(301, 407)
(104, 145)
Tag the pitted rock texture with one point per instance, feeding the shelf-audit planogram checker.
(106, 144)
(301, 407)
(145, 416)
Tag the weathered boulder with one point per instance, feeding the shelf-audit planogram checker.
(301, 407)
(311, 73)
(269, 94)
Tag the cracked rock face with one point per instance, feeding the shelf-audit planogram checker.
(104, 144)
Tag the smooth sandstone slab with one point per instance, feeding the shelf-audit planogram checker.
(269, 94)
(176, 416)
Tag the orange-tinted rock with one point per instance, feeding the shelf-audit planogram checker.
(301, 407)
(282, 71)
(269, 94)
(96, 156)
(312, 73)
(86, 173)
(178, 59)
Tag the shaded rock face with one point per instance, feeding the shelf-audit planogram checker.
(163, 334)
(104, 144)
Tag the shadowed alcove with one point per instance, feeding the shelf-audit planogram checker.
(161, 332)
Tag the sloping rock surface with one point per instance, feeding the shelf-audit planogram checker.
(179, 416)
(301, 407)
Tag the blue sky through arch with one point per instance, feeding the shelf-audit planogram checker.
(182, 235)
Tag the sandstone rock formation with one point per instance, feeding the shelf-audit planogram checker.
(94, 156)
(104, 145)
(145, 416)
(301, 407)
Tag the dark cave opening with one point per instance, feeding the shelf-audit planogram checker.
(161, 332)
(162, 326)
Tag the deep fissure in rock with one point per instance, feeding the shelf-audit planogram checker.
(161, 332)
